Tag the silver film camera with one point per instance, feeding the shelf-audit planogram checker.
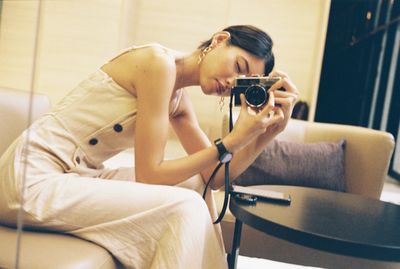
(255, 89)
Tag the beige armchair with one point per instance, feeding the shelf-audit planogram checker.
(40, 250)
(367, 157)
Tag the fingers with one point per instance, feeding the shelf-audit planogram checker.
(278, 116)
(286, 105)
(243, 103)
(269, 106)
(279, 73)
(275, 121)
(284, 100)
(282, 97)
(286, 84)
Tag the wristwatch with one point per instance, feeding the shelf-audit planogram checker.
(224, 155)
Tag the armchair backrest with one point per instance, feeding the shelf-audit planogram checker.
(367, 156)
(14, 113)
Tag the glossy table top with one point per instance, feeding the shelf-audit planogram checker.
(337, 222)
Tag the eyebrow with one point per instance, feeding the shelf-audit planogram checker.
(247, 64)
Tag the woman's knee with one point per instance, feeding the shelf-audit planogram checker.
(190, 202)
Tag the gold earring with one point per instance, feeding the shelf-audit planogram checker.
(203, 54)
(221, 103)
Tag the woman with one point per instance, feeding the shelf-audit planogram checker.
(130, 101)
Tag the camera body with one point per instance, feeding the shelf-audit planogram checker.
(255, 89)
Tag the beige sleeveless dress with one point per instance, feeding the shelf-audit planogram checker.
(68, 189)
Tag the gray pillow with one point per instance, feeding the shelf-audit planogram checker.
(317, 165)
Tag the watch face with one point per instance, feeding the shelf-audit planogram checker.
(226, 157)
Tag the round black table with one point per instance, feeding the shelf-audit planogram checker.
(336, 222)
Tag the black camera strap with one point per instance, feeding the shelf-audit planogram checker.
(227, 184)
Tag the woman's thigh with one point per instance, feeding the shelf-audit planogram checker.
(68, 201)
(195, 183)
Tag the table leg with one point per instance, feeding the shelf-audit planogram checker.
(232, 257)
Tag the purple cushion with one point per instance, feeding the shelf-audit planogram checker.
(318, 165)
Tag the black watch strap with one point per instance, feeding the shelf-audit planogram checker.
(224, 155)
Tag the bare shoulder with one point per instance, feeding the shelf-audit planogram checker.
(153, 50)
(140, 65)
(151, 63)
(154, 57)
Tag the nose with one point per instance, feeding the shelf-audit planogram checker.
(229, 82)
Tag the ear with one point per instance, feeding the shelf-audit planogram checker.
(220, 37)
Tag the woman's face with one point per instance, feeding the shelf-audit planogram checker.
(223, 64)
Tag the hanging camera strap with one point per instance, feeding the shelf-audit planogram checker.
(227, 184)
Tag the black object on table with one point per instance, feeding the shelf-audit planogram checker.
(336, 222)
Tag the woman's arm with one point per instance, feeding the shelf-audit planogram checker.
(154, 79)
(189, 133)
(283, 103)
(193, 140)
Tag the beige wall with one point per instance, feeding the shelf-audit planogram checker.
(17, 36)
(75, 36)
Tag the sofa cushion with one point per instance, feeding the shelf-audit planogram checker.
(47, 250)
(318, 165)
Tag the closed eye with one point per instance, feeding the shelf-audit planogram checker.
(238, 67)
(246, 64)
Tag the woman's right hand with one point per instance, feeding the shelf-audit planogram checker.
(250, 124)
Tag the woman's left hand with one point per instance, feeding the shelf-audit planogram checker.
(286, 95)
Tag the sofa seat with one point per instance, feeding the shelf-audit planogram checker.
(44, 250)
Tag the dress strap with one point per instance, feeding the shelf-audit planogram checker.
(176, 102)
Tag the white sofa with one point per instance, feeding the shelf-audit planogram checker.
(367, 156)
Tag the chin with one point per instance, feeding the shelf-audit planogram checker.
(207, 91)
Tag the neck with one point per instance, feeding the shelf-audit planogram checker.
(187, 70)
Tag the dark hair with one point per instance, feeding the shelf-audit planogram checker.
(251, 39)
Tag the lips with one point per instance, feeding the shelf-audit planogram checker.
(220, 88)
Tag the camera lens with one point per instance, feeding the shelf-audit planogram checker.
(256, 96)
